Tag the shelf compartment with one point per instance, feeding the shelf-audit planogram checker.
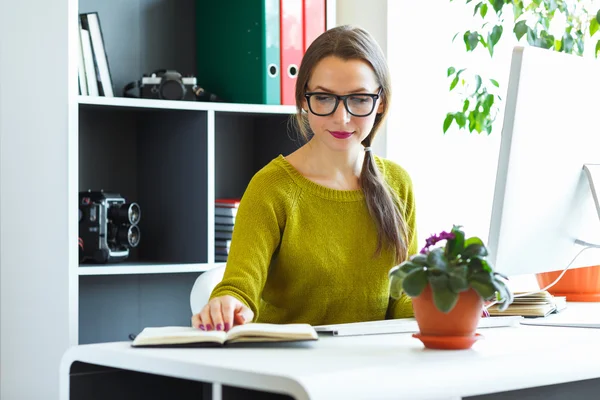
(159, 160)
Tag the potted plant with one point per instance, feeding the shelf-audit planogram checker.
(448, 286)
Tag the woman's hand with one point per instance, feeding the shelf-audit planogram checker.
(221, 314)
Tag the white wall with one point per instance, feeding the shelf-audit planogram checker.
(372, 16)
(35, 242)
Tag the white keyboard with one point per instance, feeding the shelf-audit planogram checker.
(403, 325)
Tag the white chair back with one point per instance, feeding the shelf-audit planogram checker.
(203, 287)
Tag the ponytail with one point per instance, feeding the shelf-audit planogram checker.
(384, 208)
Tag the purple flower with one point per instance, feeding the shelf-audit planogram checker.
(433, 239)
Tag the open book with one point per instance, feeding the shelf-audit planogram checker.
(540, 304)
(253, 332)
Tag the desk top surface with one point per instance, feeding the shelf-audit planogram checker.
(373, 366)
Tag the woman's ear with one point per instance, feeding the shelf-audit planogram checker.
(381, 106)
(304, 105)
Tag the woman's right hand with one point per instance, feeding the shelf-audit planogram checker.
(221, 314)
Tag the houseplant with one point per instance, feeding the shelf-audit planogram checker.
(559, 25)
(448, 286)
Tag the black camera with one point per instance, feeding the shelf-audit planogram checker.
(169, 85)
(108, 227)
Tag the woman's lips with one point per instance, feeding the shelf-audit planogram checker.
(340, 134)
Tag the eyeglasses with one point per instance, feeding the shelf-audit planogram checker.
(357, 104)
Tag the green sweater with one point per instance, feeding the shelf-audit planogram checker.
(301, 252)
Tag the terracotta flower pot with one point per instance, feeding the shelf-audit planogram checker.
(579, 284)
(454, 330)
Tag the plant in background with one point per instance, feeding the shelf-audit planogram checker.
(458, 266)
(559, 25)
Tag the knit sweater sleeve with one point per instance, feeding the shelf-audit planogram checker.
(400, 181)
(259, 224)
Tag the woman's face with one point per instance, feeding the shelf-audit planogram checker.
(342, 131)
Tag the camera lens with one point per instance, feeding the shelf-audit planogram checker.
(172, 90)
(125, 213)
(129, 235)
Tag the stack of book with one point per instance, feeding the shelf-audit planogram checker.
(540, 304)
(95, 78)
(225, 212)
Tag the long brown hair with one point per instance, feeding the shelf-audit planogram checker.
(353, 43)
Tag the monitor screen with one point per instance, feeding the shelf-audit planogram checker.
(543, 203)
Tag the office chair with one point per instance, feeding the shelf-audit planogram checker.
(203, 287)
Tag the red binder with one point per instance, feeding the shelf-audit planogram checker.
(314, 20)
(291, 45)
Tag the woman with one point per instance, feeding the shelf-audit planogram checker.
(318, 230)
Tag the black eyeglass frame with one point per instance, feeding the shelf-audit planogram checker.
(344, 99)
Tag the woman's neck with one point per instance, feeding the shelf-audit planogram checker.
(333, 169)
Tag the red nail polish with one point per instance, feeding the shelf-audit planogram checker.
(208, 327)
(226, 326)
(219, 327)
(202, 327)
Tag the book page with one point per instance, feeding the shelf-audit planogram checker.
(259, 332)
(177, 335)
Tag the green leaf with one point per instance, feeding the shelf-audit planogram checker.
(598, 16)
(557, 45)
(461, 119)
(520, 29)
(466, 105)
(477, 83)
(594, 25)
(396, 287)
(451, 71)
(503, 294)
(567, 43)
(458, 279)
(419, 259)
(496, 34)
(474, 250)
(448, 121)
(479, 264)
(482, 283)
(483, 11)
(517, 9)
(495, 82)
(415, 282)
(546, 40)
(597, 48)
(455, 35)
(472, 117)
(498, 4)
(471, 40)
(454, 82)
(531, 37)
(436, 259)
(477, 7)
(488, 102)
(473, 240)
(443, 298)
(455, 246)
(398, 274)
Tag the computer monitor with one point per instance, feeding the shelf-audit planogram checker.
(543, 203)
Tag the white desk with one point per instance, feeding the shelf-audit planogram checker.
(367, 367)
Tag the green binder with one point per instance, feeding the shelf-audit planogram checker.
(238, 51)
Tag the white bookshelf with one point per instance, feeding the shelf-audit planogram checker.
(145, 268)
(174, 158)
(125, 102)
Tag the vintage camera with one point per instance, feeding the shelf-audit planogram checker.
(108, 227)
(169, 85)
